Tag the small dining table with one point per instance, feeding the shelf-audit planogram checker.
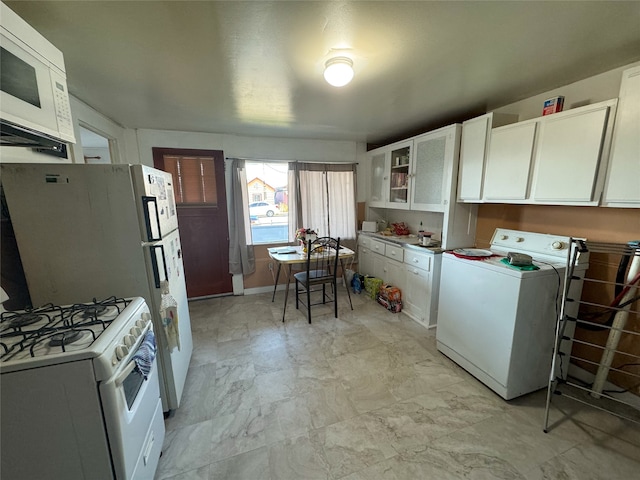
(295, 255)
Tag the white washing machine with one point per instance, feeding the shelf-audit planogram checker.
(498, 322)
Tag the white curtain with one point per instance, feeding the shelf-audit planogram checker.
(325, 199)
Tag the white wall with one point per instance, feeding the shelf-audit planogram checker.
(598, 88)
(258, 148)
(88, 117)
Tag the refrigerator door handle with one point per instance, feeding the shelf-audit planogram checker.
(154, 264)
(146, 200)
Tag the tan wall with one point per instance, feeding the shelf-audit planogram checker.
(615, 225)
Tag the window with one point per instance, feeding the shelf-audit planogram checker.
(194, 179)
(268, 208)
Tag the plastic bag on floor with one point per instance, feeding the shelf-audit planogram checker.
(356, 283)
(372, 286)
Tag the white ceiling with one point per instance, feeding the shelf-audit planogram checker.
(255, 68)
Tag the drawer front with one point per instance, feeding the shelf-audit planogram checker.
(395, 252)
(377, 246)
(418, 260)
(364, 241)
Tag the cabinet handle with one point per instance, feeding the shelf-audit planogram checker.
(415, 260)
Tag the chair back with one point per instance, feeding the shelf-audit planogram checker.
(322, 259)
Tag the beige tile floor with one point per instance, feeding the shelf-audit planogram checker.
(365, 397)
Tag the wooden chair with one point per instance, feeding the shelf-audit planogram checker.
(321, 270)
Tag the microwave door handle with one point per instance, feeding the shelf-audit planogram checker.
(154, 264)
(146, 200)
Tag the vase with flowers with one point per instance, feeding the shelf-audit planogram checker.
(305, 235)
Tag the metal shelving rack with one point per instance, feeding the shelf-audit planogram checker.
(622, 319)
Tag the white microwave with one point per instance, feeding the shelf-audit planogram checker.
(34, 101)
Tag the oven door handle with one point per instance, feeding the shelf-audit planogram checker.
(119, 380)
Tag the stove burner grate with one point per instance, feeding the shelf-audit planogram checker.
(24, 319)
(64, 338)
(41, 331)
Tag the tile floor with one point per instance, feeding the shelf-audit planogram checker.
(365, 397)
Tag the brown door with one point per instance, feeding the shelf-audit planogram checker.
(198, 177)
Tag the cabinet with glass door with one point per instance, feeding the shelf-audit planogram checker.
(435, 169)
(379, 186)
(399, 178)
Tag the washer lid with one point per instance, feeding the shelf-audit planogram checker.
(472, 253)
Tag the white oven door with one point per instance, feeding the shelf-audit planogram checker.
(133, 415)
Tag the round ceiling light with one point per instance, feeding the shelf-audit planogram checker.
(338, 71)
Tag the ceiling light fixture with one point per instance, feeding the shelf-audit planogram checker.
(338, 71)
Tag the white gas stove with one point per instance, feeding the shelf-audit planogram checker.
(52, 334)
(86, 374)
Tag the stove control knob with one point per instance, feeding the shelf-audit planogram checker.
(557, 245)
(136, 331)
(504, 237)
(129, 340)
(141, 323)
(121, 351)
(519, 239)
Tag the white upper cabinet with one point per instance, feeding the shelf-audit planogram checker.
(380, 162)
(622, 187)
(569, 153)
(474, 149)
(399, 178)
(390, 171)
(432, 175)
(509, 162)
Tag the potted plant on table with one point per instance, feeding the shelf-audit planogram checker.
(305, 235)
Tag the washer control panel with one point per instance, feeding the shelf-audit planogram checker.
(545, 247)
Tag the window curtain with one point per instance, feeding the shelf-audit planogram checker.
(241, 255)
(325, 199)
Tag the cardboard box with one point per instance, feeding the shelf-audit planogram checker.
(553, 105)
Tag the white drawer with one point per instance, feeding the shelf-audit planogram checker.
(394, 251)
(418, 260)
(364, 241)
(377, 246)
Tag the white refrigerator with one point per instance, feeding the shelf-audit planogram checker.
(89, 232)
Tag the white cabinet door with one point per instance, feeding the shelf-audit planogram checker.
(622, 186)
(380, 162)
(378, 266)
(431, 179)
(474, 149)
(475, 133)
(416, 297)
(568, 155)
(509, 162)
(365, 261)
(394, 274)
(399, 195)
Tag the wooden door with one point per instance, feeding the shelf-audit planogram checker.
(198, 177)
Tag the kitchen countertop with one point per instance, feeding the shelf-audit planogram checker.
(410, 241)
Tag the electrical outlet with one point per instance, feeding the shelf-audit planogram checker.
(271, 266)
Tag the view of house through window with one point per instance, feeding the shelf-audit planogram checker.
(268, 201)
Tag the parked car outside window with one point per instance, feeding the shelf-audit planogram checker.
(262, 208)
